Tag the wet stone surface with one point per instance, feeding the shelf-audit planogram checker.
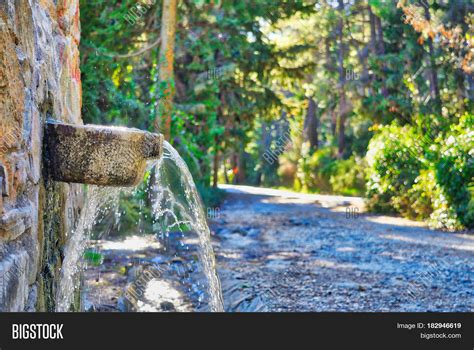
(138, 275)
(39, 78)
(100, 155)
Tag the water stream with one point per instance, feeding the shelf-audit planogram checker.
(173, 212)
(175, 207)
(97, 199)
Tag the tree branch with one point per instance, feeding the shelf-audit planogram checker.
(139, 52)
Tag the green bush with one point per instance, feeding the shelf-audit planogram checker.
(394, 163)
(315, 171)
(453, 205)
(211, 197)
(347, 177)
(420, 197)
(322, 172)
(422, 177)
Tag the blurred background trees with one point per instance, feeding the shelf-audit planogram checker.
(369, 97)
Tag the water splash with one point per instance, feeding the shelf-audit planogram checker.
(176, 206)
(182, 209)
(96, 198)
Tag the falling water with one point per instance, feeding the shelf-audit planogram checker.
(95, 199)
(176, 205)
(175, 212)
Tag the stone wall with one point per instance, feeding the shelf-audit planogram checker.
(39, 79)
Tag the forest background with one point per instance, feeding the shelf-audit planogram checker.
(367, 98)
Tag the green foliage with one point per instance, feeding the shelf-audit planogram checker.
(423, 178)
(454, 205)
(316, 171)
(324, 173)
(420, 197)
(94, 258)
(114, 91)
(244, 72)
(211, 197)
(348, 177)
(394, 163)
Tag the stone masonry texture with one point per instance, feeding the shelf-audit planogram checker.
(39, 79)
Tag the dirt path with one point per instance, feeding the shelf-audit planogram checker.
(283, 251)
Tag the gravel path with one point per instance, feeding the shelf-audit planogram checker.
(284, 251)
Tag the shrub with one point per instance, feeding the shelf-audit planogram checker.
(315, 171)
(419, 199)
(423, 180)
(286, 172)
(211, 197)
(453, 205)
(322, 172)
(394, 162)
(347, 177)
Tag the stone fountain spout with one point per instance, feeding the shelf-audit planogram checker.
(99, 155)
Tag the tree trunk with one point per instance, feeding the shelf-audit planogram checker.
(373, 35)
(216, 162)
(380, 43)
(381, 52)
(166, 62)
(233, 163)
(434, 85)
(226, 177)
(470, 87)
(311, 125)
(241, 162)
(342, 83)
